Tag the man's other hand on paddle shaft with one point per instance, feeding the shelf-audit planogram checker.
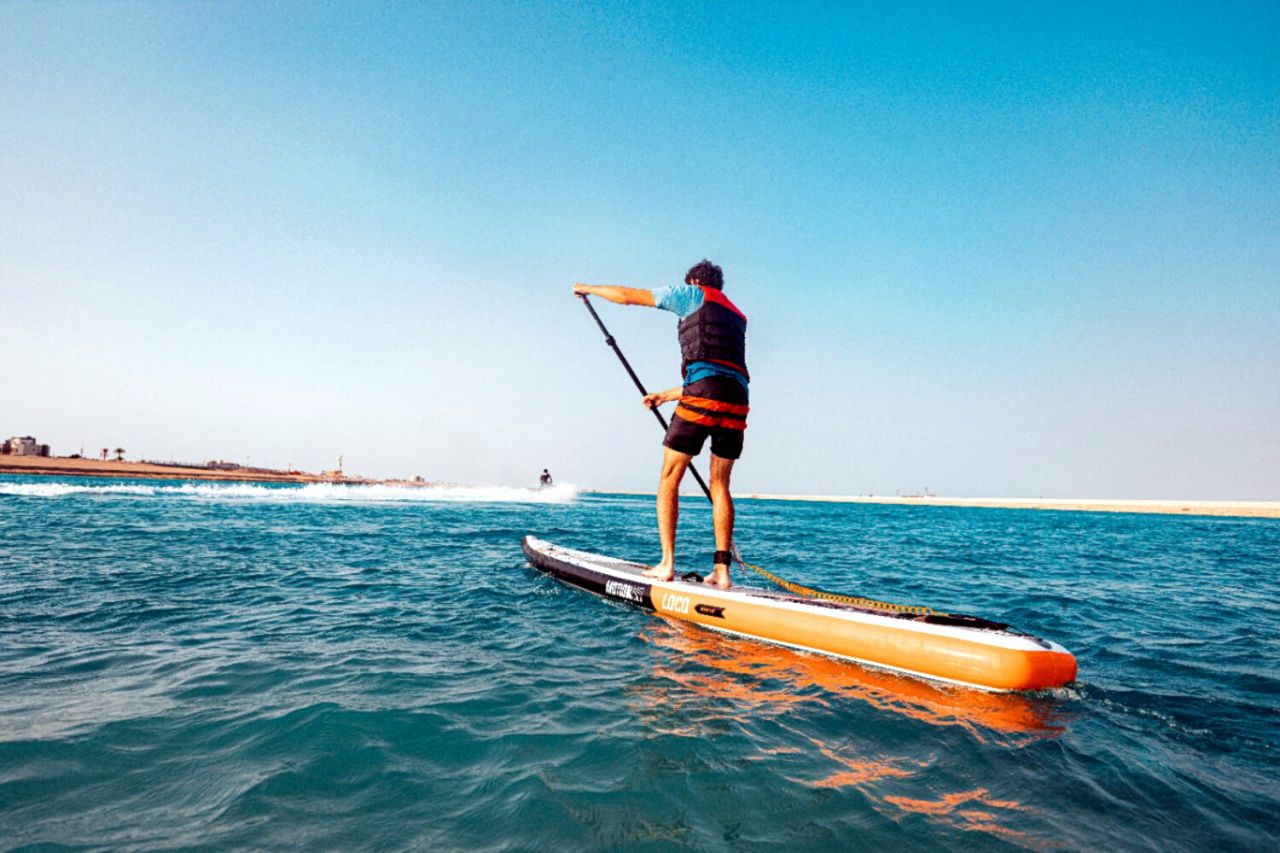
(657, 398)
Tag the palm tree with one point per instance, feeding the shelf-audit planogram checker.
(119, 454)
(104, 454)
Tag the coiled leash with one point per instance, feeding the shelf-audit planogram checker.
(734, 556)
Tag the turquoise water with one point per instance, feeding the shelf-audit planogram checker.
(231, 667)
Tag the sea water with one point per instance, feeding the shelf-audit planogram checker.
(217, 666)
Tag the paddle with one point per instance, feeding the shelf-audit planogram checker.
(608, 339)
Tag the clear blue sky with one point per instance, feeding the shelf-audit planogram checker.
(991, 249)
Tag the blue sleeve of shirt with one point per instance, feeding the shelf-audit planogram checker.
(680, 299)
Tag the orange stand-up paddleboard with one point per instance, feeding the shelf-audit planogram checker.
(948, 647)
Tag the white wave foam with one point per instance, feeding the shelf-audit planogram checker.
(57, 490)
(560, 493)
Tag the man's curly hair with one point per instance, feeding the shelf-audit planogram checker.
(706, 274)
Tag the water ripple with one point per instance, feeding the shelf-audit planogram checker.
(186, 665)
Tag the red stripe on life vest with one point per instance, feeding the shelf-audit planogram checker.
(712, 295)
(741, 368)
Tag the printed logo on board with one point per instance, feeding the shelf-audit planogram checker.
(708, 610)
(675, 603)
(625, 591)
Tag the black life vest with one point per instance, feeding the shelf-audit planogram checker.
(716, 332)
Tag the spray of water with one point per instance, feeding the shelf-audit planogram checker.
(561, 493)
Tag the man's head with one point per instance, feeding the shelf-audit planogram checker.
(705, 274)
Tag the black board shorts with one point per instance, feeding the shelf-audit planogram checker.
(715, 407)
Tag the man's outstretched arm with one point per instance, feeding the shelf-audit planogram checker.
(613, 293)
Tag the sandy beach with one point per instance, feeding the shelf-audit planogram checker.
(1225, 509)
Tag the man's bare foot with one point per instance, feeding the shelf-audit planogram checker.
(660, 572)
(719, 577)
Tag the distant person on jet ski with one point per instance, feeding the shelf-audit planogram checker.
(711, 403)
(545, 479)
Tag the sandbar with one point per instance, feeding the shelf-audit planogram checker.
(1237, 509)
(69, 467)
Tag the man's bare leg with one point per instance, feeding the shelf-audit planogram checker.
(722, 515)
(674, 464)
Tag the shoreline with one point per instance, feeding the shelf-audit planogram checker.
(1219, 509)
(65, 466)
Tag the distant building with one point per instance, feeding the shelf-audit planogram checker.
(334, 473)
(24, 445)
(219, 465)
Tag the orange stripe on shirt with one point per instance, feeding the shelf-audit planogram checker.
(707, 420)
(714, 405)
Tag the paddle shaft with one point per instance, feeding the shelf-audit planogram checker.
(608, 339)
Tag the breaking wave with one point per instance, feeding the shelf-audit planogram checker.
(560, 493)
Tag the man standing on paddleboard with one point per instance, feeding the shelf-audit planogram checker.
(711, 403)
